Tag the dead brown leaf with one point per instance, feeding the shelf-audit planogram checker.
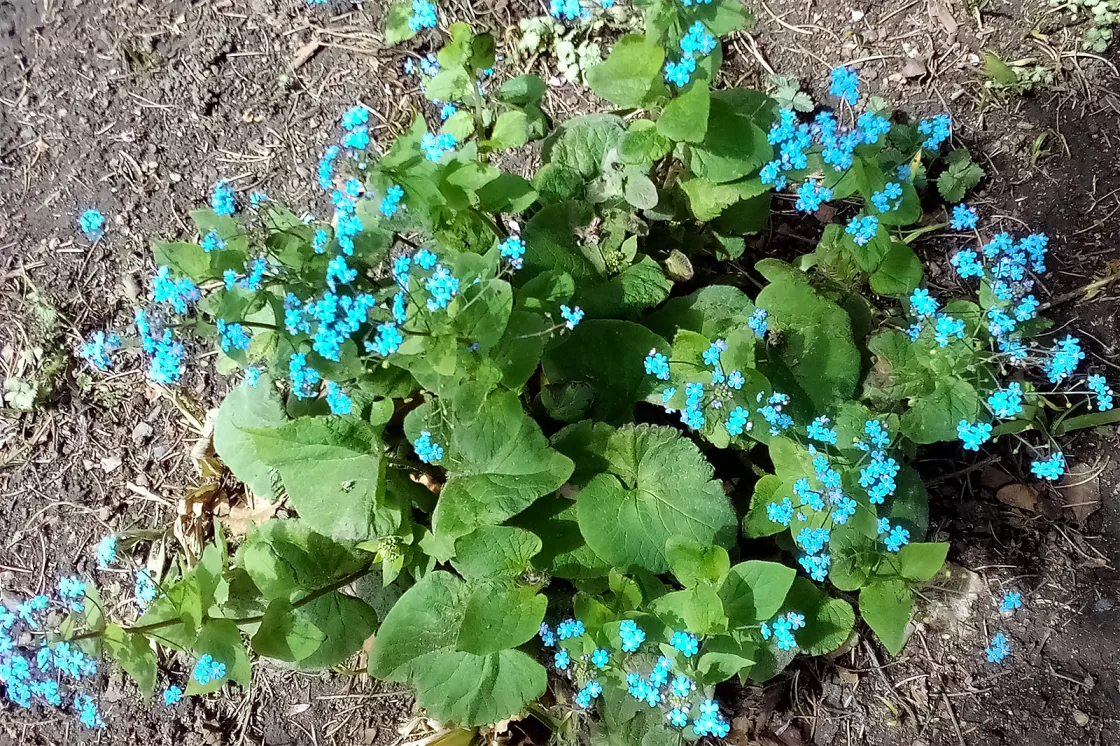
(994, 477)
(1080, 496)
(1022, 496)
(245, 515)
(939, 11)
(914, 67)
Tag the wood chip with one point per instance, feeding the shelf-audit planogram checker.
(1022, 496)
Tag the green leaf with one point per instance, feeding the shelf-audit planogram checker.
(734, 145)
(817, 337)
(284, 635)
(934, 417)
(828, 621)
(659, 486)
(135, 656)
(899, 273)
(853, 557)
(714, 311)
(497, 461)
(506, 193)
(724, 17)
(642, 144)
(724, 657)
(346, 623)
(287, 560)
(396, 23)
(708, 200)
(605, 357)
(511, 130)
(221, 639)
(423, 639)
(582, 144)
(696, 609)
(754, 591)
(246, 408)
(998, 70)
(641, 192)
(564, 554)
(768, 489)
(960, 175)
(1084, 421)
(685, 118)
(551, 242)
(333, 469)
(920, 561)
(885, 606)
(492, 552)
(480, 313)
(185, 259)
(449, 84)
(631, 76)
(695, 564)
(522, 90)
(640, 286)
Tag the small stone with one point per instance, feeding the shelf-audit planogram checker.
(1080, 718)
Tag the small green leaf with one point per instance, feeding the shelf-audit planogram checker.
(685, 118)
(885, 606)
(853, 557)
(828, 621)
(522, 90)
(135, 656)
(960, 175)
(641, 192)
(631, 76)
(998, 70)
(511, 130)
(920, 561)
(284, 635)
(185, 259)
(933, 417)
(899, 273)
(696, 609)
(396, 23)
(642, 144)
(695, 564)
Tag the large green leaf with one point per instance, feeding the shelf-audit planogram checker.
(284, 635)
(853, 556)
(695, 564)
(428, 636)
(734, 145)
(346, 623)
(934, 417)
(885, 606)
(246, 408)
(497, 461)
(333, 469)
(492, 552)
(685, 118)
(551, 242)
(817, 343)
(581, 144)
(659, 486)
(631, 76)
(713, 311)
(640, 286)
(920, 561)
(828, 621)
(604, 357)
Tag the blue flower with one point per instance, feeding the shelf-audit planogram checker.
(780, 512)
(305, 380)
(680, 73)
(387, 341)
(145, 589)
(686, 643)
(567, 10)
(435, 146)
(97, 351)
(571, 316)
(698, 41)
(425, 259)
(72, 592)
(326, 166)
(889, 199)
(811, 195)
(1050, 468)
(1011, 601)
(92, 223)
(600, 658)
(212, 242)
(337, 399)
(757, 322)
(172, 695)
(947, 327)
(973, 435)
(682, 686)
(737, 422)
(426, 450)
(357, 138)
(222, 199)
(818, 430)
(562, 660)
(175, 293)
(400, 308)
(107, 551)
(998, 649)
(232, 336)
(1103, 391)
(845, 84)
(513, 248)
(872, 127)
(257, 198)
(964, 218)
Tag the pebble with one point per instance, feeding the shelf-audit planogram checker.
(1080, 718)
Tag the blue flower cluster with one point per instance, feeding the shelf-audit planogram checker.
(436, 146)
(696, 43)
(999, 648)
(337, 399)
(326, 167)
(305, 379)
(889, 199)
(172, 695)
(845, 84)
(387, 341)
(896, 538)
(92, 224)
(1007, 403)
(937, 130)
(106, 551)
(757, 322)
(686, 643)
(207, 669)
(772, 412)
(1104, 392)
(632, 636)
(513, 249)
(657, 365)
(391, 202)
(212, 241)
(144, 589)
(423, 15)
(862, 229)
(811, 195)
(221, 200)
(447, 110)
(568, 10)
(166, 354)
(973, 434)
(1050, 468)
(426, 450)
(819, 431)
(781, 628)
(442, 286)
(571, 316)
(964, 218)
(232, 336)
(1064, 359)
(98, 350)
(174, 293)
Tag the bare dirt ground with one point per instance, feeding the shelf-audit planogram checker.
(137, 108)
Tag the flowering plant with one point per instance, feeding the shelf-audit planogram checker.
(467, 386)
